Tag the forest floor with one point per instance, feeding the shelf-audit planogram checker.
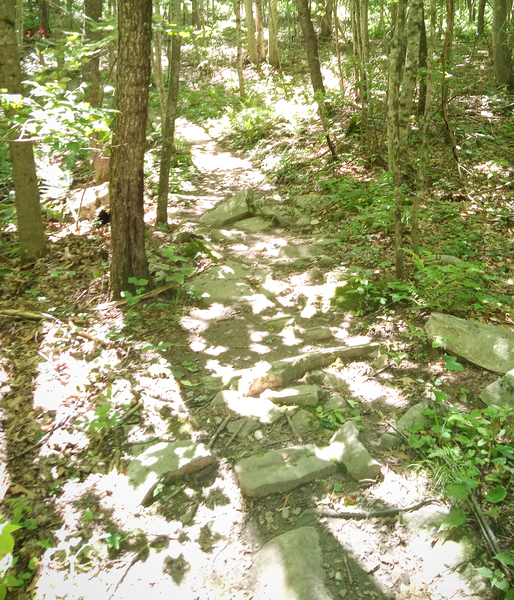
(87, 381)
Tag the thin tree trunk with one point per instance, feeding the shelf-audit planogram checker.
(240, 74)
(410, 72)
(326, 20)
(311, 45)
(426, 124)
(168, 134)
(92, 78)
(502, 60)
(481, 17)
(423, 50)
(251, 32)
(338, 51)
(19, 23)
(128, 147)
(273, 53)
(394, 133)
(157, 64)
(261, 48)
(31, 231)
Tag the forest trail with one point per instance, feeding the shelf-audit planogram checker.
(229, 477)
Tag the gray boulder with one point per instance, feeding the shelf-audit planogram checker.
(290, 567)
(346, 448)
(500, 392)
(239, 207)
(487, 346)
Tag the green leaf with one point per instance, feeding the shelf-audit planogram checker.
(12, 581)
(497, 494)
(485, 572)
(6, 544)
(338, 487)
(456, 518)
(459, 491)
(3, 591)
(506, 558)
(88, 514)
(450, 362)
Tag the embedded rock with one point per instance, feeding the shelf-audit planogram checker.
(282, 470)
(345, 447)
(487, 346)
(290, 567)
(239, 207)
(500, 392)
(299, 395)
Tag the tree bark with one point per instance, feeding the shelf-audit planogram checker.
(168, 132)
(31, 231)
(410, 72)
(250, 32)
(157, 64)
(92, 78)
(326, 20)
(129, 136)
(423, 51)
(394, 133)
(273, 53)
(426, 122)
(501, 52)
(311, 45)
(481, 17)
(261, 48)
(240, 74)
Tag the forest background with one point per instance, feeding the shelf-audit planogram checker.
(401, 111)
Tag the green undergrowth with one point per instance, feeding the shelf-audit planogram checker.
(470, 456)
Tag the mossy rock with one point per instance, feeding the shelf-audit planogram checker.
(194, 248)
(347, 298)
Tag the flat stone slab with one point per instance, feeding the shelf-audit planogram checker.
(298, 395)
(313, 202)
(307, 251)
(487, 346)
(170, 459)
(290, 567)
(234, 209)
(254, 225)
(261, 409)
(500, 392)
(282, 470)
(317, 334)
(281, 374)
(230, 283)
(89, 200)
(346, 448)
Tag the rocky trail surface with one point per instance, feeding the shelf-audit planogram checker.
(265, 474)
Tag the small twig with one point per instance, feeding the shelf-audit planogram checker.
(218, 431)
(348, 570)
(131, 412)
(237, 431)
(365, 514)
(58, 425)
(136, 558)
(149, 294)
(293, 428)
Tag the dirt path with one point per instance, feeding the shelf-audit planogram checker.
(205, 534)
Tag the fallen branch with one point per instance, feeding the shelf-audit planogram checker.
(218, 431)
(149, 294)
(293, 428)
(371, 514)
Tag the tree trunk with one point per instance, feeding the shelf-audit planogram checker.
(44, 16)
(394, 133)
(157, 64)
(311, 45)
(128, 147)
(31, 231)
(168, 132)
(423, 50)
(481, 17)
(251, 31)
(261, 48)
(410, 72)
(240, 74)
(501, 52)
(92, 78)
(426, 123)
(326, 20)
(273, 54)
